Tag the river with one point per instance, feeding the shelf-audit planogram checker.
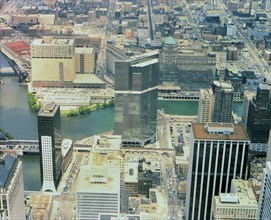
(21, 123)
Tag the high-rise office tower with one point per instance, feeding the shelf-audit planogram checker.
(246, 100)
(136, 99)
(218, 154)
(223, 92)
(268, 155)
(259, 118)
(11, 188)
(206, 105)
(264, 211)
(50, 146)
(267, 5)
(168, 62)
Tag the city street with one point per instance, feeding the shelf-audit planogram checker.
(264, 69)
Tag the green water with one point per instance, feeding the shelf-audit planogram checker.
(21, 123)
(179, 107)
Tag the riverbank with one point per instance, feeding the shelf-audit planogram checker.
(83, 110)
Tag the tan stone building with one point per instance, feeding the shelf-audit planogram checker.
(241, 203)
(85, 60)
(58, 63)
(206, 105)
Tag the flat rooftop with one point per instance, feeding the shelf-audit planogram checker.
(99, 179)
(84, 50)
(66, 146)
(87, 79)
(48, 110)
(144, 63)
(50, 41)
(200, 132)
(101, 174)
(18, 47)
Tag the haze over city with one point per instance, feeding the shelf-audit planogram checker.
(135, 109)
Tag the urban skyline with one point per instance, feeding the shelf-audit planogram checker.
(135, 109)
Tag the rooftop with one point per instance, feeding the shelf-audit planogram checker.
(170, 40)
(6, 165)
(146, 62)
(224, 85)
(200, 132)
(101, 175)
(50, 41)
(264, 86)
(65, 146)
(84, 50)
(241, 195)
(87, 78)
(18, 47)
(48, 110)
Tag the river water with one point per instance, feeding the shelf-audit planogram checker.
(21, 123)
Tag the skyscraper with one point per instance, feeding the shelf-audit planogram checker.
(218, 154)
(50, 147)
(11, 188)
(136, 99)
(259, 118)
(223, 92)
(168, 62)
(206, 105)
(264, 211)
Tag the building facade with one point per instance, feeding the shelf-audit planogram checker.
(206, 105)
(168, 62)
(11, 188)
(196, 70)
(223, 92)
(84, 60)
(240, 203)
(50, 147)
(218, 154)
(259, 118)
(136, 89)
(264, 211)
(58, 63)
(53, 60)
(98, 188)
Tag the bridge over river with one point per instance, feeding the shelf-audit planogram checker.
(19, 146)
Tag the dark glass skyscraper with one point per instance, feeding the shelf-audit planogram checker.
(136, 83)
(259, 115)
(50, 146)
(223, 92)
